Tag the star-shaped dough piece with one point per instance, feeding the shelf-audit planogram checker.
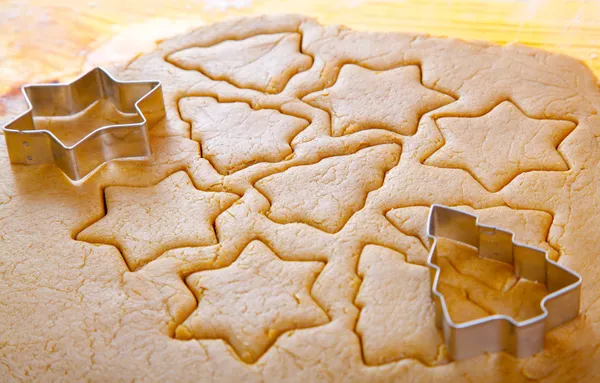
(500, 145)
(362, 99)
(144, 222)
(253, 301)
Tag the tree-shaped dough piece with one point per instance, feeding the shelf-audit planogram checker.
(397, 317)
(234, 136)
(263, 62)
(326, 194)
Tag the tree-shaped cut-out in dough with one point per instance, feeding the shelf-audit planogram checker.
(397, 317)
(234, 136)
(326, 194)
(263, 62)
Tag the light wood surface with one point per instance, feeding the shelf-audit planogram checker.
(50, 39)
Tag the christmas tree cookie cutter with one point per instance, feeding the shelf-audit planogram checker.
(500, 332)
(28, 145)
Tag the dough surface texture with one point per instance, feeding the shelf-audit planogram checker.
(277, 232)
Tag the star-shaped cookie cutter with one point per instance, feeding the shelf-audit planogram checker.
(500, 332)
(28, 145)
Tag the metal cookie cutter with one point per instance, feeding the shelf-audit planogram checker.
(28, 145)
(500, 332)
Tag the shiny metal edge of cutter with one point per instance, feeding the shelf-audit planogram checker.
(500, 332)
(28, 145)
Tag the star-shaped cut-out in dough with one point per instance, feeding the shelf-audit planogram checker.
(253, 301)
(362, 99)
(144, 222)
(500, 145)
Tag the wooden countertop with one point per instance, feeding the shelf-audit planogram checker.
(53, 39)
